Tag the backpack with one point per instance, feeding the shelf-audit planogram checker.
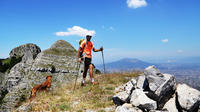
(81, 52)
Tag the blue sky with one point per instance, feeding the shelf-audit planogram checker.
(148, 29)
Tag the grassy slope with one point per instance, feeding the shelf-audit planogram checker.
(90, 97)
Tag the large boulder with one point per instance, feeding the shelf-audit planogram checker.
(188, 98)
(139, 99)
(129, 86)
(171, 105)
(121, 98)
(161, 86)
(142, 82)
(127, 108)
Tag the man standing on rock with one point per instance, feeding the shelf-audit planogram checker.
(86, 47)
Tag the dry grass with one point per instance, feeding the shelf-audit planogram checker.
(90, 97)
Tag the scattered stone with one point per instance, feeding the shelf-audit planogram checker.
(127, 108)
(155, 92)
(90, 110)
(24, 108)
(75, 103)
(128, 87)
(160, 111)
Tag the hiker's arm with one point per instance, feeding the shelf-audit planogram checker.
(97, 50)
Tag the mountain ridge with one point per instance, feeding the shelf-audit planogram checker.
(125, 64)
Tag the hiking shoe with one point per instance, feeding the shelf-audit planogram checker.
(95, 83)
(82, 84)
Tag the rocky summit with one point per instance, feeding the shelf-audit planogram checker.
(154, 91)
(59, 58)
(59, 61)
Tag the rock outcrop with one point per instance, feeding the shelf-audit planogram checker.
(60, 57)
(23, 49)
(27, 51)
(16, 86)
(154, 91)
(59, 61)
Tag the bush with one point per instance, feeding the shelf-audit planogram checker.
(65, 107)
(7, 64)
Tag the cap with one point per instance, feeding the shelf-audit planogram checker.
(88, 35)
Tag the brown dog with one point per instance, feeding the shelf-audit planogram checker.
(44, 86)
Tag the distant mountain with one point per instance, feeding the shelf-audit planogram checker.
(176, 60)
(190, 60)
(125, 64)
(186, 70)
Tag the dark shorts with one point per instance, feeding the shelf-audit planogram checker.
(87, 62)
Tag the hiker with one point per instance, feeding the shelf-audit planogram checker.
(85, 47)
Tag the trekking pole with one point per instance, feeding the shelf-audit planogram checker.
(78, 67)
(103, 62)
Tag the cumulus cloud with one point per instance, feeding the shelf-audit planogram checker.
(165, 40)
(76, 30)
(136, 3)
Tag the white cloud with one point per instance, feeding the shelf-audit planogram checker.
(111, 28)
(180, 51)
(108, 28)
(136, 3)
(76, 30)
(165, 40)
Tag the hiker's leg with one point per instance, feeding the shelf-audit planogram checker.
(85, 72)
(84, 76)
(91, 75)
(91, 71)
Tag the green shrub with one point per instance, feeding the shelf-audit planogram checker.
(65, 107)
(7, 64)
